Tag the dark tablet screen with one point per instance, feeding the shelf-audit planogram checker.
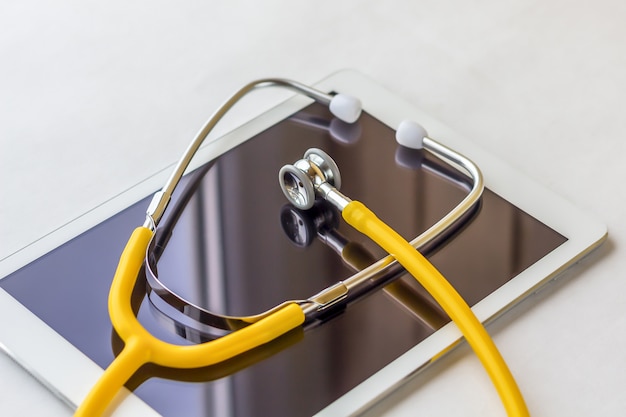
(236, 248)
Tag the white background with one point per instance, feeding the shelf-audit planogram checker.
(95, 96)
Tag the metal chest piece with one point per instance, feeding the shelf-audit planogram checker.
(300, 182)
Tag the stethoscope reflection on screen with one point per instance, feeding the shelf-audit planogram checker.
(305, 183)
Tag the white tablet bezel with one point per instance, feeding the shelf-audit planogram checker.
(31, 342)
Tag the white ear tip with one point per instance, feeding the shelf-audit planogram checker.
(411, 134)
(346, 108)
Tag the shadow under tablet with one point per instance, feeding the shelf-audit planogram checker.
(229, 254)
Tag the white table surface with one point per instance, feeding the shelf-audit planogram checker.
(94, 96)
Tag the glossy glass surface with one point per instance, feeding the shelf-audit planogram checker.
(232, 250)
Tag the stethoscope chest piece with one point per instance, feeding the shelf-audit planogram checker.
(300, 180)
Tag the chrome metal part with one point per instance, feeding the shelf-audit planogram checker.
(319, 302)
(329, 296)
(317, 171)
(157, 209)
(296, 184)
(333, 196)
(325, 164)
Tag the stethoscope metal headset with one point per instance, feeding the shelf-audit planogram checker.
(314, 176)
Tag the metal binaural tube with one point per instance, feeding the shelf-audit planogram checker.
(161, 199)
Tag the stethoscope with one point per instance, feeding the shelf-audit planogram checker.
(315, 176)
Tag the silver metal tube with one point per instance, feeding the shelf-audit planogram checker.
(161, 199)
(333, 196)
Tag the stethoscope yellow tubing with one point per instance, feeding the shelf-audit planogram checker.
(141, 347)
(365, 221)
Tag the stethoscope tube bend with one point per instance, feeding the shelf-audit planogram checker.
(141, 347)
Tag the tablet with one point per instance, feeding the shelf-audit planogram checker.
(236, 247)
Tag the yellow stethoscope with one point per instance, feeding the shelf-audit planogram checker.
(314, 176)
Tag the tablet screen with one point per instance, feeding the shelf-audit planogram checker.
(237, 248)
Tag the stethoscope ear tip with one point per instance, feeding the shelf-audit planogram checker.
(345, 107)
(411, 134)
